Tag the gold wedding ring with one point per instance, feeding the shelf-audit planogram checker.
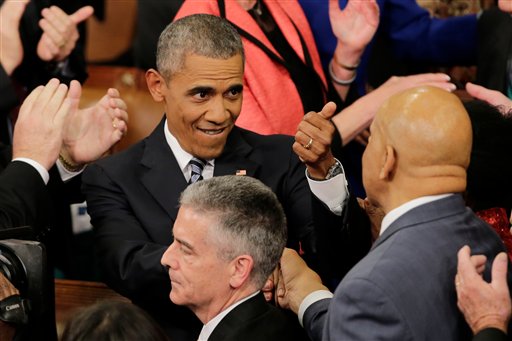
(114, 125)
(308, 145)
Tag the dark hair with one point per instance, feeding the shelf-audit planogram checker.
(201, 34)
(489, 180)
(112, 321)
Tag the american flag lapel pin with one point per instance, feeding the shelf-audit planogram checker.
(241, 172)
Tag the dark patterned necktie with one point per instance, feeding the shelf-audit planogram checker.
(197, 166)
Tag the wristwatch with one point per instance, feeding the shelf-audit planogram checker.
(334, 170)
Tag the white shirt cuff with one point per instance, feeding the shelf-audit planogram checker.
(315, 296)
(40, 169)
(66, 175)
(332, 192)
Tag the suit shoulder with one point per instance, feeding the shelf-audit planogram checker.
(123, 159)
(277, 140)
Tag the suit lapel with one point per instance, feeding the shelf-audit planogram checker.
(454, 204)
(235, 157)
(162, 175)
(238, 317)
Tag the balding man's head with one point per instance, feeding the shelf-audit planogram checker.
(420, 145)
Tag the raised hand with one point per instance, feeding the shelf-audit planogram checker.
(492, 97)
(483, 304)
(358, 116)
(11, 49)
(91, 132)
(313, 141)
(38, 130)
(354, 26)
(60, 32)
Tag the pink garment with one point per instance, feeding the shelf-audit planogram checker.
(271, 103)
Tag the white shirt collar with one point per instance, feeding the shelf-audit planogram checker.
(397, 212)
(209, 327)
(184, 157)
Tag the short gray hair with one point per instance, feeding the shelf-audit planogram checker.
(247, 219)
(201, 34)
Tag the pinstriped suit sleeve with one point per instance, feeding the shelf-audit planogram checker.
(360, 310)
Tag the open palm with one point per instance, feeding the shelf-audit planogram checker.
(355, 25)
(91, 132)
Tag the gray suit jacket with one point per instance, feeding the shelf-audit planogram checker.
(404, 288)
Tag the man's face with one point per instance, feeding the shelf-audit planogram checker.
(202, 102)
(198, 276)
(373, 159)
(505, 5)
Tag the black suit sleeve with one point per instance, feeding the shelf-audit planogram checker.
(8, 98)
(490, 334)
(23, 196)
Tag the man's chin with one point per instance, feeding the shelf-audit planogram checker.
(175, 298)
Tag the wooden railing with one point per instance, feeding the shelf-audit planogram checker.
(71, 295)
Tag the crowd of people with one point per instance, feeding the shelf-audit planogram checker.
(236, 217)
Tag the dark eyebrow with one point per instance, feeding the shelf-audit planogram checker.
(198, 89)
(184, 243)
(236, 87)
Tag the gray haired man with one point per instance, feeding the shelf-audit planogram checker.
(228, 237)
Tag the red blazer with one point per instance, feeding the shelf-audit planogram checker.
(271, 101)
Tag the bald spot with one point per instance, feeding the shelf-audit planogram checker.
(430, 131)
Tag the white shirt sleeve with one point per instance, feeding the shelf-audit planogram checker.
(315, 296)
(66, 175)
(332, 192)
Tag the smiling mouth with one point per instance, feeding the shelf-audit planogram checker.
(212, 131)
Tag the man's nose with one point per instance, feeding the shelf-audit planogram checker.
(218, 113)
(168, 259)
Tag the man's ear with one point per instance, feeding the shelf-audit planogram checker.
(156, 85)
(241, 268)
(388, 166)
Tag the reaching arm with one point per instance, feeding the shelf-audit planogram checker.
(354, 27)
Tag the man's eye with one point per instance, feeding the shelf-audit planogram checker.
(234, 93)
(201, 95)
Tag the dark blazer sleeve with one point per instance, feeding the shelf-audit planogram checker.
(490, 334)
(494, 46)
(8, 98)
(314, 319)
(341, 241)
(23, 196)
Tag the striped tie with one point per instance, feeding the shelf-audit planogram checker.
(197, 166)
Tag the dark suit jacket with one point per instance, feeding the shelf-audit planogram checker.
(404, 288)
(256, 320)
(490, 334)
(133, 201)
(494, 48)
(25, 201)
(23, 196)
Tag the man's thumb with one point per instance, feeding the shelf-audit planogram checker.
(82, 14)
